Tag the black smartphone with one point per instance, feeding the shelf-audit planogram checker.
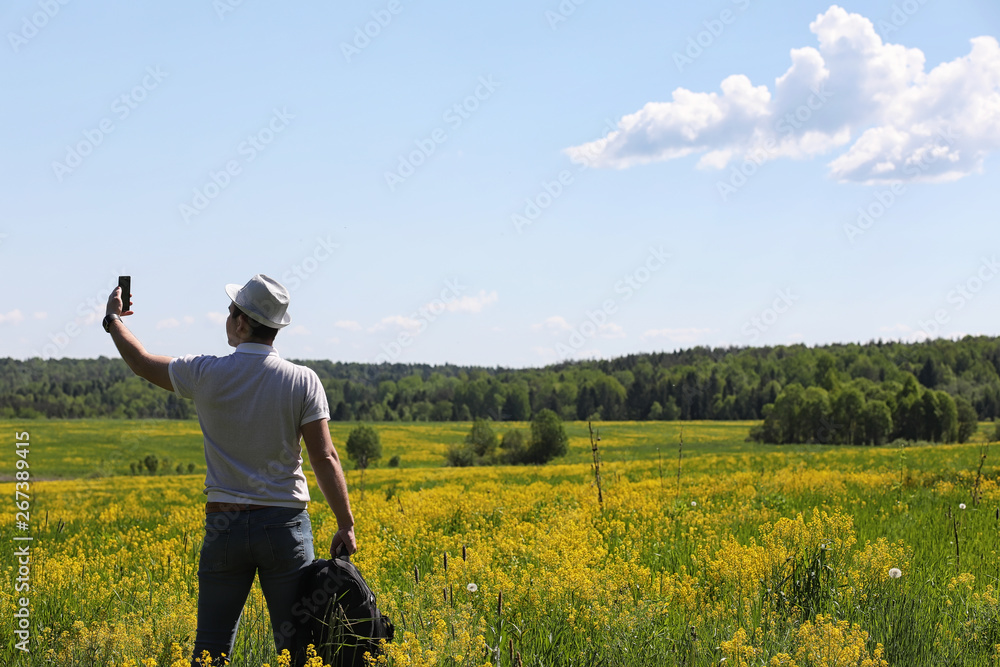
(125, 282)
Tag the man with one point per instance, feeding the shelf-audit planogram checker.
(253, 407)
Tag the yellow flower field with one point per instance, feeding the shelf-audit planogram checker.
(751, 555)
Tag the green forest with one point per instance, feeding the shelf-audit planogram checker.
(852, 393)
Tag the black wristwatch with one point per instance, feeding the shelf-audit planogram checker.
(107, 321)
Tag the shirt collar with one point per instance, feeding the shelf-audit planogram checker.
(256, 348)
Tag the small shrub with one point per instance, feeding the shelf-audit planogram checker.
(513, 447)
(364, 446)
(482, 439)
(548, 438)
(460, 456)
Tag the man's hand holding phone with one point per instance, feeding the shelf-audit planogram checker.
(120, 296)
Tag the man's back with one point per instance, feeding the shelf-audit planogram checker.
(251, 405)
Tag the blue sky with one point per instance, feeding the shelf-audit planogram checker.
(494, 183)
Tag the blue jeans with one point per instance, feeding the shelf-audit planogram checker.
(275, 543)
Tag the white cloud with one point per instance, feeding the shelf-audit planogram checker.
(471, 304)
(896, 328)
(298, 330)
(907, 334)
(399, 321)
(550, 355)
(40, 315)
(556, 323)
(217, 318)
(349, 325)
(908, 124)
(610, 330)
(688, 335)
(13, 317)
(419, 320)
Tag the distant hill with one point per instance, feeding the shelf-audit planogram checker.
(697, 383)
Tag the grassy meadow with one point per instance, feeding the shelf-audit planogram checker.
(739, 554)
(73, 449)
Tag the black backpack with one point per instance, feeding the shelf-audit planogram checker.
(336, 612)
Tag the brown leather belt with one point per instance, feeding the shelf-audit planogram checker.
(211, 507)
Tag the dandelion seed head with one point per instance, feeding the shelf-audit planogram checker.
(895, 573)
(472, 588)
(694, 504)
(961, 506)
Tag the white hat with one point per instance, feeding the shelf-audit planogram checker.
(263, 299)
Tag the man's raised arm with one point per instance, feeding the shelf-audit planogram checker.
(150, 367)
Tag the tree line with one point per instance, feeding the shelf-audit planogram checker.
(866, 413)
(697, 383)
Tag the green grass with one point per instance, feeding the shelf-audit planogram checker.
(71, 449)
(77, 448)
(80, 448)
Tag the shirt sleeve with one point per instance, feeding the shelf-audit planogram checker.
(185, 374)
(315, 405)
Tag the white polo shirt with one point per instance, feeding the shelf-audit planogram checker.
(251, 405)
